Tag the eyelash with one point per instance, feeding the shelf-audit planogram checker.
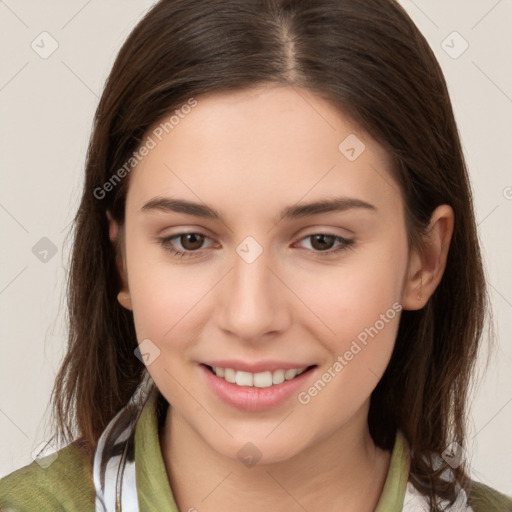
(345, 245)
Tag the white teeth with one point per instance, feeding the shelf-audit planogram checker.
(262, 380)
(278, 377)
(229, 375)
(258, 380)
(289, 374)
(243, 378)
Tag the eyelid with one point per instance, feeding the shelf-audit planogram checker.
(325, 230)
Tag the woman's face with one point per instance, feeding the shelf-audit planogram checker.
(261, 290)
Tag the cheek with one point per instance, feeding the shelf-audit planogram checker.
(166, 299)
(360, 319)
(159, 296)
(358, 308)
(351, 296)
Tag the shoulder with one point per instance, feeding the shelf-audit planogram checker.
(483, 498)
(60, 481)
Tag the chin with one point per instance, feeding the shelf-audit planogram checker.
(256, 450)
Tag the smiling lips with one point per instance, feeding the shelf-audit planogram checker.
(257, 390)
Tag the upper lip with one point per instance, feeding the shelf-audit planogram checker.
(258, 367)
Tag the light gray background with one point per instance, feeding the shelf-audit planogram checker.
(46, 110)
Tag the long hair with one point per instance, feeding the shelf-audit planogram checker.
(369, 60)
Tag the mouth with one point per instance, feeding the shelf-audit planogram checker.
(264, 379)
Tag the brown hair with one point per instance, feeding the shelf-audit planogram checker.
(369, 60)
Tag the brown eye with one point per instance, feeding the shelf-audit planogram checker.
(322, 242)
(184, 245)
(191, 241)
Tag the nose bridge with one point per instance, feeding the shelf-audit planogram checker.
(252, 300)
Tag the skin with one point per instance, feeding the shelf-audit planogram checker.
(249, 154)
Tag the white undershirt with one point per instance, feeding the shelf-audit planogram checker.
(414, 501)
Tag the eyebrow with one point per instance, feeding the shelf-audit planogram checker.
(338, 204)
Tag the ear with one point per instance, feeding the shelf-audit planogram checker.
(116, 235)
(426, 265)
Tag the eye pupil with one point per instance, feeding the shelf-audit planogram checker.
(322, 239)
(195, 238)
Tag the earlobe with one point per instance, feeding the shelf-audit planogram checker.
(123, 297)
(413, 298)
(427, 265)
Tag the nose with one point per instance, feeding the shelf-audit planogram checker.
(254, 301)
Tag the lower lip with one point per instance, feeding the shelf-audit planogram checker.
(252, 398)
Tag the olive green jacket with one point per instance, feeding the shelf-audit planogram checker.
(66, 484)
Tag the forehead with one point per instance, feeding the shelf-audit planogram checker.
(265, 145)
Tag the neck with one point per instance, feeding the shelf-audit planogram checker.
(345, 468)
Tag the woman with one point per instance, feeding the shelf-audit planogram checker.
(221, 356)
